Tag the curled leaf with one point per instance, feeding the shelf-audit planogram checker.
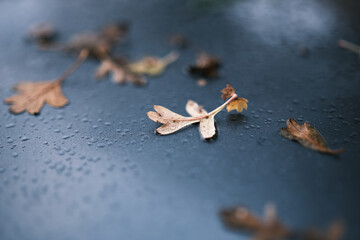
(307, 136)
(119, 71)
(153, 66)
(33, 95)
(205, 65)
(270, 228)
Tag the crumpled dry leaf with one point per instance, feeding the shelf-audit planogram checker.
(334, 232)
(153, 66)
(271, 228)
(119, 70)
(307, 136)
(33, 95)
(237, 104)
(227, 92)
(44, 34)
(205, 65)
(172, 122)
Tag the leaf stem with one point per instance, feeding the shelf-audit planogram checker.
(213, 112)
(70, 70)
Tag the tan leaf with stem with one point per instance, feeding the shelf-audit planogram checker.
(119, 70)
(153, 66)
(33, 95)
(173, 122)
(307, 136)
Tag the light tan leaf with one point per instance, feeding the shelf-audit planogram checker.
(172, 121)
(33, 95)
(120, 72)
(153, 66)
(307, 136)
(238, 104)
(194, 110)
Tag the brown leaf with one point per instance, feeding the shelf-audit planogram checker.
(268, 229)
(334, 232)
(153, 66)
(119, 70)
(238, 104)
(205, 65)
(44, 34)
(98, 47)
(33, 95)
(227, 92)
(114, 32)
(307, 136)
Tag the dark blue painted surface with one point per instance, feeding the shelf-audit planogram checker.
(96, 170)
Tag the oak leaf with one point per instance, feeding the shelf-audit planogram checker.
(173, 122)
(205, 65)
(153, 66)
(119, 70)
(307, 136)
(33, 95)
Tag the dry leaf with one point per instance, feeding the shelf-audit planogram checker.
(119, 70)
(334, 232)
(99, 44)
(33, 95)
(227, 92)
(349, 46)
(268, 229)
(205, 66)
(307, 136)
(152, 65)
(173, 122)
(237, 104)
(114, 32)
(98, 47)
(43, 34)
